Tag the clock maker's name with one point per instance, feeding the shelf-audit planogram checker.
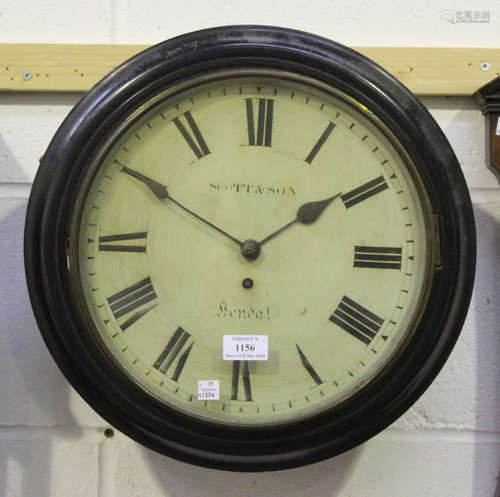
(254, 189)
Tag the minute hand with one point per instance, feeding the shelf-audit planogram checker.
(307, 214)
(162, 193)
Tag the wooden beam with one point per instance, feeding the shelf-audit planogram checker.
(59, 67)
(66, 68)
(438, 71)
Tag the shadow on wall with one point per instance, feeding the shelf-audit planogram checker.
(466, 132)
(487, 319)
(29, 121)
(34, 392)
(326, 478)
(10, 171)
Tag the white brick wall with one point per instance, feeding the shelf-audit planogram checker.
(52, 444)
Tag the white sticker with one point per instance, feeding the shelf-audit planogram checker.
(208, 390)
(244, 347)
(497, 132)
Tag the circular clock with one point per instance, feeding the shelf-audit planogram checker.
(250, 248)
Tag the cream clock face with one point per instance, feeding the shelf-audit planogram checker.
(266, 209)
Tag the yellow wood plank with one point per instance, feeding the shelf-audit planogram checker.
(59, 67)
(438, 71)
(426, 71)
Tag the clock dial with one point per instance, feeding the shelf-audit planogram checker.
(250, 204)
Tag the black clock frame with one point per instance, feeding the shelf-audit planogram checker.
(126, 406)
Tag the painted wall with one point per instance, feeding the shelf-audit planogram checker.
(52, 444)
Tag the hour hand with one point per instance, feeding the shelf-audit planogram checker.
(307, 214)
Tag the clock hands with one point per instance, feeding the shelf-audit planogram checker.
(157, 188)
(308, 213)
(161, 192)
(222, 232)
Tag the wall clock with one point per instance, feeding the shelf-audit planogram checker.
(249, 248)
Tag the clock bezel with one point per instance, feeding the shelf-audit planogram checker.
(58, 181)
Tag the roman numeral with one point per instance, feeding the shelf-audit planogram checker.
(356, 320)
(106, 245)
(307, 365)
(238, 366)
(174, 347)
(133, 298)
(196, 141)
(263, 135)
(377, 257)
(364, 191)
(320, 142)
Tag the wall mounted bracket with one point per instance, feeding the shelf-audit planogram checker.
(488, 98)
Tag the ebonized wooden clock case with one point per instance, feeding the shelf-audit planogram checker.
(66, 171)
